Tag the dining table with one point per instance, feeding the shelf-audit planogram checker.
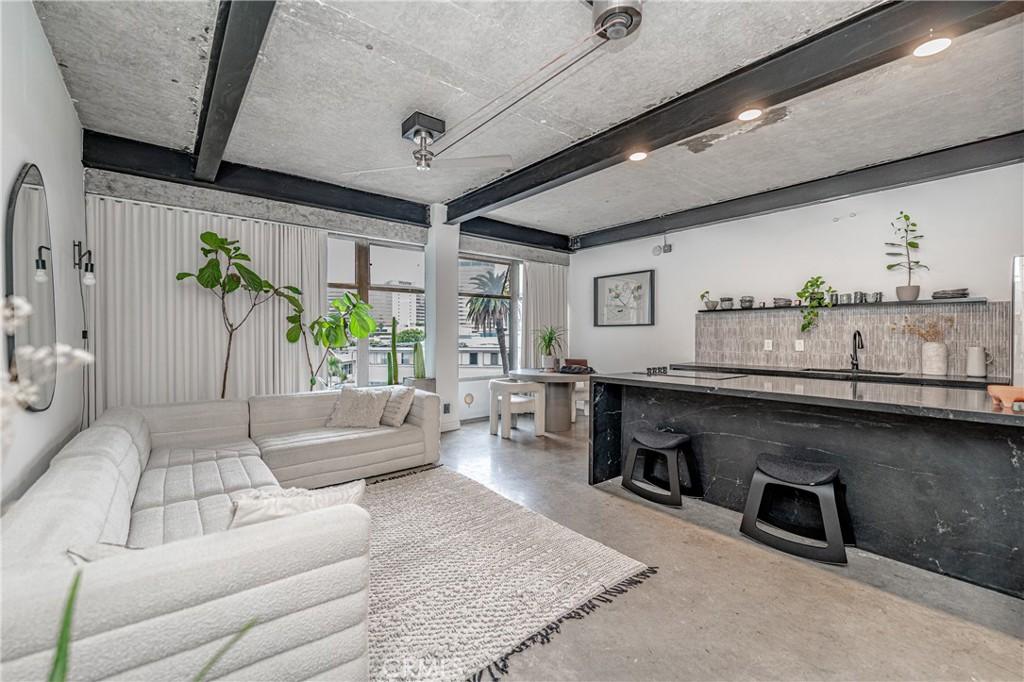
(558, 394)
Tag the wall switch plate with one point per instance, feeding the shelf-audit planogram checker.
(798, 345)
(447, 408)
(768, 344)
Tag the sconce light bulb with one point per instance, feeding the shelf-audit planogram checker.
(41, 277)
(88, 279)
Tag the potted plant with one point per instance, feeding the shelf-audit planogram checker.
(419, 371)
(549, 344)
(349, 318)
(817, 295)
(709, 302)
(908, 241)
(934, 353)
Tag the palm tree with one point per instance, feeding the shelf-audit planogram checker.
(488, 313)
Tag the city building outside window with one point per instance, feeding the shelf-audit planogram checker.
(488, 319)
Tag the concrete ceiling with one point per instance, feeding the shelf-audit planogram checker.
(972, 91)
(134, 69)
(335, 79)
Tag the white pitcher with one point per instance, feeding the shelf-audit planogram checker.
(978, 360)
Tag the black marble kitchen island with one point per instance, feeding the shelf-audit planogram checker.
(932, 476)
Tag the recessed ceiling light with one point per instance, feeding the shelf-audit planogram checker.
(749, 115)
(933, 46)
(638, 156)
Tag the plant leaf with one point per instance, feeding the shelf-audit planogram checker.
(205, 670)
(891, 253)
(62, 654)
(183, 275)
(253, 282)
(231, 283)
(240, 256)
(212, 239)
(209, 275)
(913, 245)
(295, 290)
(293, 334)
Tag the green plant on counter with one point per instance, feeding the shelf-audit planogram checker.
(419, 365)
(815, 294)
(909, 241)
(393, 354)
(705, 295)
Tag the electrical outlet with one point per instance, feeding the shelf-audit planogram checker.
(768, 344)
(447, 408)
(798, 345)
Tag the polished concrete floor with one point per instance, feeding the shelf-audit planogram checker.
(725, 608)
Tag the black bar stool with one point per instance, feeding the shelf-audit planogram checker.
(814, 478)
(648, 450)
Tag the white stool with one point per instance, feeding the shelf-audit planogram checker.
(507, 397)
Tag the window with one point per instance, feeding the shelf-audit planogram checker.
(486, 324)
(390, 278)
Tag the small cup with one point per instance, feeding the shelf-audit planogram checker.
(746, 302)
(846, 299)
(877, 297)
(833, 299)
(860, 297)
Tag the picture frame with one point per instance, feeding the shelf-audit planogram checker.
(624, 300)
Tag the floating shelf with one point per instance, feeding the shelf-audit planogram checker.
(925, 302)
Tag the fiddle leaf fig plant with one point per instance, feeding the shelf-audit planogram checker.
(815, 294)
(348, 319)
(909, 240)
(224, 273)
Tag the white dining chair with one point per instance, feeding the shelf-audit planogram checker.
(512, 398)
(580, 394)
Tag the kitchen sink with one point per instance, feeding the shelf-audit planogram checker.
(824, 370)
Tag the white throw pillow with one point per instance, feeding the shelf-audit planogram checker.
(359, 407)
(399, 404)
(257, 506)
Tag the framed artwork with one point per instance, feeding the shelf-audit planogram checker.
(624, 300)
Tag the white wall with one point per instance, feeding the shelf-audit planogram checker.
(973, 224)
(39, 125)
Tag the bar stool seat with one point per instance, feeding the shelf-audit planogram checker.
(648, 451)
(816, 478)
(795, 471)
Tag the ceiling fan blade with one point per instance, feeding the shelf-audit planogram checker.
(497, 161)
(378, 170)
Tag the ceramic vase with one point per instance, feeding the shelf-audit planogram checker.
(710, 305)
(934, 358)
(549, 362)
(908, 293)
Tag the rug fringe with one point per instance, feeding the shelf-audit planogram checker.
(410, 472)
(499, 668)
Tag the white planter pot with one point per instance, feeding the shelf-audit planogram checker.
(908, 293)
(548, 362)
(934, 358)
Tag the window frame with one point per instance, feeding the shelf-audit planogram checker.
(363, 286)
(513, 297)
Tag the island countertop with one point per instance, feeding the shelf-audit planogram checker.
(963, 404)
(952, 381)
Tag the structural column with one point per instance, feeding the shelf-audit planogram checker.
(441, 270)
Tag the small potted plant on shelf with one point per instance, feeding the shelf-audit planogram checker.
(908, 241)
(709, 302)
(549, 344)
(934, 353)
(815, 294)
(419, 371)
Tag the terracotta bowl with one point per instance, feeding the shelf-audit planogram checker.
(1006, 396)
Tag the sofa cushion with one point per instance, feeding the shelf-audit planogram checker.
(164, 485)
(260, 506)
(200, 423)
(169, 455)
(78, 501)
(153, 526)
(398, 406)
(132, 421)
(276, 414)
(359, 408)
(331, 449)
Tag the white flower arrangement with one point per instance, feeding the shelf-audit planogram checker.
(18, 390)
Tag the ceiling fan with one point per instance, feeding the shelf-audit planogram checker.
(425, 130)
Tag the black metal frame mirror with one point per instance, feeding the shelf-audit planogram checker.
(28, 272)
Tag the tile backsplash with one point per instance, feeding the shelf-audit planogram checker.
(737, 336)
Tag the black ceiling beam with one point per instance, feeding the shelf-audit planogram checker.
(990, 153)
(507, 232)
(232, 62)
(865, 42)
(106, 152)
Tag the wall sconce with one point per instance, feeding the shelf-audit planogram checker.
(41, 276)
(87, 268)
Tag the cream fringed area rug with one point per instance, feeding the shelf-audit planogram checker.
(461, 578)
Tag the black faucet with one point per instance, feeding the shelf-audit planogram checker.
(858, 343)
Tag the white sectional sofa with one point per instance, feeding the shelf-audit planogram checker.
(161, 479)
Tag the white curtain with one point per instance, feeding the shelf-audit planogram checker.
(160, 340)
(545, 303)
